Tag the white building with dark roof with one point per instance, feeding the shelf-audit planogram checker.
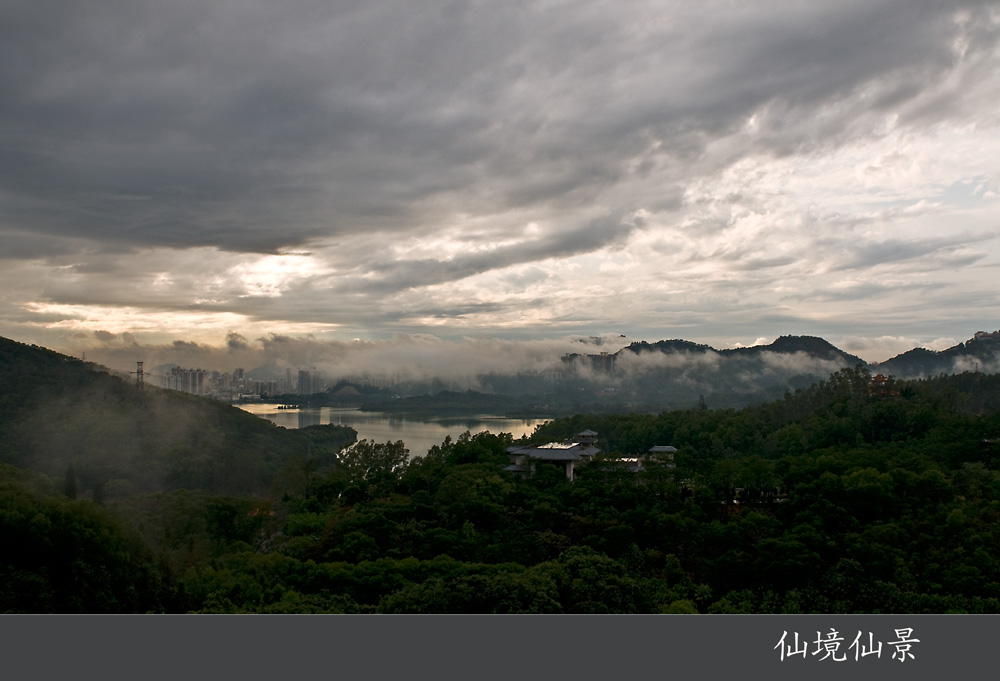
(566, 454)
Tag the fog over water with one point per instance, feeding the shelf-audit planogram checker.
(418, 434)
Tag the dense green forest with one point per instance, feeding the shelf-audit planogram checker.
(845, 496)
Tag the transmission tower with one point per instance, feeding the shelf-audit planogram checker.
(138, 375)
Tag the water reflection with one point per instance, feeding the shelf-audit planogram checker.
(418, 434)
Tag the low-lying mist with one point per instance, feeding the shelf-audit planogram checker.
(428, 363)
(402, 358)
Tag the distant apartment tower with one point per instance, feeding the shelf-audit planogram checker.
(310, 382)
(187, 380)
(603, 363)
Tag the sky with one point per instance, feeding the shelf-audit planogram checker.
(204, 179)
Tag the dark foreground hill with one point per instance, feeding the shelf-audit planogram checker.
(67, 418)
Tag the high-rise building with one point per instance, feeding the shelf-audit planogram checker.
(310, 381)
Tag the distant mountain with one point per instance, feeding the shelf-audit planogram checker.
(979, 353)
(807, 345)
(61, 416)
(678, 373)
(786, 345)
(675, 345)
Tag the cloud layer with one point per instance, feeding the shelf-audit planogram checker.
(520, 170)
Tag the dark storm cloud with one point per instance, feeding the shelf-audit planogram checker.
(942, 251)
(859, 292)
(408, 273)
(20, 246)
(236, 342)
(254, 127)
(458, 310)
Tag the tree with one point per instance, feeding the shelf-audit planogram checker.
(375, 465)
(590, 582)
(71, 556)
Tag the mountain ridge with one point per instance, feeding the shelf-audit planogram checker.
(979, 353)
(670, 374)
(982, 349)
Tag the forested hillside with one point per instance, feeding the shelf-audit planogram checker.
(833, 499)
(852, 495)
(67, 418)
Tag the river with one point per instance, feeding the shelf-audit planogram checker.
(419, 434)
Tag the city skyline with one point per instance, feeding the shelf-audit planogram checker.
(464, 182)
